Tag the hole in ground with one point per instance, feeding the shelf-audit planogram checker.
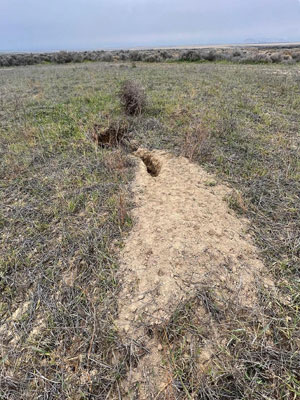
(152, 164)
(111, 136)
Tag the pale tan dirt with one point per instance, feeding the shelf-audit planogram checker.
(219, 46)
(184, 235)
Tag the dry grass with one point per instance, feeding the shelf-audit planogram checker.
(63, 209)
(64, 206)
(61, 217)
(250, 357)
(196, 143)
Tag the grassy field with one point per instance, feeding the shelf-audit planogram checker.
(65, 210)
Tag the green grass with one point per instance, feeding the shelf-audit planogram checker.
(62, 210)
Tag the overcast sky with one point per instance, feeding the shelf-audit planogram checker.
(37, 25)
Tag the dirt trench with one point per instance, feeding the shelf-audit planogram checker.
(184, 235)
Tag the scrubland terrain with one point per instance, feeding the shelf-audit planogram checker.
(248, 54)
(67, 208)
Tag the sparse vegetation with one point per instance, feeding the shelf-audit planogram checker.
(250, 54)
(196, 143)
(64, 207)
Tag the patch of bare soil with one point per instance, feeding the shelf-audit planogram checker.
(184, 235)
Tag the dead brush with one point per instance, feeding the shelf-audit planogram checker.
(133, 98)
(196, 142)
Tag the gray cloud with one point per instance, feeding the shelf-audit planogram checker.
(92, 24)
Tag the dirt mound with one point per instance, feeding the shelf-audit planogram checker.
(184, 236)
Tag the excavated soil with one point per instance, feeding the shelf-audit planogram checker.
(184, 235)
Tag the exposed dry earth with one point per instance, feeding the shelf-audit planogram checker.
(184, 236)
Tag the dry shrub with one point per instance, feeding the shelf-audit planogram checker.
(196, 142)
(276, 57)
(133, 98)
(296, 56)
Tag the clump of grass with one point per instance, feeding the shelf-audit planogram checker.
(133, 98)
(196, 144)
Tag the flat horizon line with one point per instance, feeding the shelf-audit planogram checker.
(163, 47)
